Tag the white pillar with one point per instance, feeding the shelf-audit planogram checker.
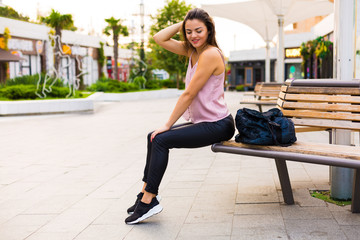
(267, 62)
(280, 57)
(344, 41)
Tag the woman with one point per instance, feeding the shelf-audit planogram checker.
(202, 103)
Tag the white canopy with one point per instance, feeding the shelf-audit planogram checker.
(267, 17)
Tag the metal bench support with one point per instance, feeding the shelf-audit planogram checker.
(355, 204)
(284, 181)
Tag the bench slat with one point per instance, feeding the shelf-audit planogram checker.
(260, 102)
(326, 123)
(321, 90)
(319, 98)
(319, 106)
(321, 114)
(329, 150)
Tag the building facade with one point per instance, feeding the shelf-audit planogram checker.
(248, 66)
(34, 44)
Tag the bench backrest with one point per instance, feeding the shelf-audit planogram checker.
(328, 103)
(257, 87)
(269, 90)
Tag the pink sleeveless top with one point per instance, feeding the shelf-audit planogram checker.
(209, 104)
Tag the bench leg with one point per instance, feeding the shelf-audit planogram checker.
(284, 181)
(355, 204)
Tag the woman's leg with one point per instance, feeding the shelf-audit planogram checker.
(189, 136)
(149, 151)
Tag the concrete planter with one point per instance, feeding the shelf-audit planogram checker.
(30, 107)
(54, 106)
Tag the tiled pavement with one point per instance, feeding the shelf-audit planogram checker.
(73, 177)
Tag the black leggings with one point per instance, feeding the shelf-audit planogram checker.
(186, 135)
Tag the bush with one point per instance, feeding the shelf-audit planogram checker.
(140, 80)
(114, 86)
(21, 91)
(172, 84)
(33, 80)
(240, 88)
(153, 84)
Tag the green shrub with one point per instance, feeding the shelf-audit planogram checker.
(114, 86)
(167, 83)
(240, 88)
(33, 80)
(21, 91)
(18, 92)
(140, 80)
(153, 84)
(58, 92)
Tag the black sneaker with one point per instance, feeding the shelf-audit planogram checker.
(138, 199)
(143, 211)
(132, 208)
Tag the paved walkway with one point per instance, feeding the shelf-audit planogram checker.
(73, 177)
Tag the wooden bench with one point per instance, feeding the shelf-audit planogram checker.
(264, 94)
(325, 104)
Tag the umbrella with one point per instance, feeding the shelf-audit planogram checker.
(268, 18)
(6, 56)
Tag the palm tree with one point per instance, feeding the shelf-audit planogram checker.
(58, 22)
(115, 25)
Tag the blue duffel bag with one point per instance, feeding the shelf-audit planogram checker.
(268, 128)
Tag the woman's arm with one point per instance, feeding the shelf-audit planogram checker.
(209, 62)
(164, 39)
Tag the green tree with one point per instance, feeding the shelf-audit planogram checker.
(115, 28)
(9, 12)
(58, 22)
(173, 12)
(101, 59)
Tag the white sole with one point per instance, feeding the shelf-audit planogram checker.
(155, 210)
(158, 197)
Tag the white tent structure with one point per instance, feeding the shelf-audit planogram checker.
(268, 18)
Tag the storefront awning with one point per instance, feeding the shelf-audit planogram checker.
(6, 56)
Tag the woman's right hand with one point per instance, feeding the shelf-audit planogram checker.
(165, 40)
(159, 130)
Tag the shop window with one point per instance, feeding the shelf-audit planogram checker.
(257, 75)
(293, 71)
(25, 65)
(240, 76)
(248, 76)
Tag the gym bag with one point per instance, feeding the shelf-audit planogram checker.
(268, 128)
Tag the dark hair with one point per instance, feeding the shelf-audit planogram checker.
(202, 15)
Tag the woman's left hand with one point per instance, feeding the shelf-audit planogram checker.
(159, 130)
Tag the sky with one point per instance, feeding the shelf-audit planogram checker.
(89, 16)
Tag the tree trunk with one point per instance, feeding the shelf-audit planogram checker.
(3, 70)
(116, 56)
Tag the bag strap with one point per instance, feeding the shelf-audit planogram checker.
(270, 126)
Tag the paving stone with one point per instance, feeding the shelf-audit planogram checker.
(351, 232)
(108, 232)
(257, 209)
(209, 217)
(252, 221)
(313, 229)
(298, 212)
(259, 233)
(196, 230)
(346, 218)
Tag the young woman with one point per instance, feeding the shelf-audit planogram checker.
(202, 103)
